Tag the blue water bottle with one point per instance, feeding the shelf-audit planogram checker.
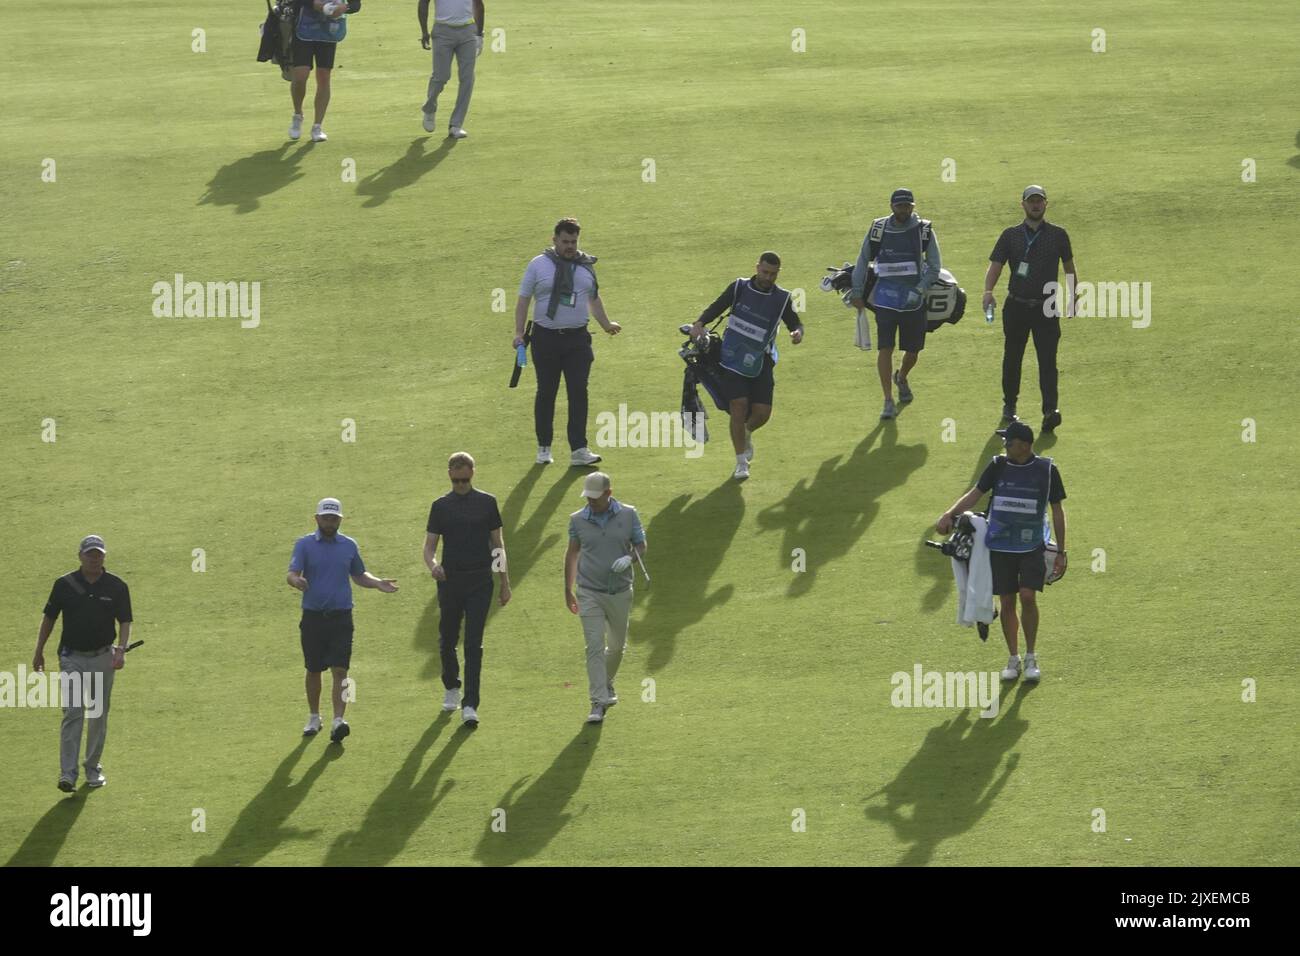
(521, 356)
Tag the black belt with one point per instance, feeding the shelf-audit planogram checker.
(337, 612)
(1024, 301)
(565, 331)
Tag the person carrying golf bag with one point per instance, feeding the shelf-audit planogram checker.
(1022, 488)
(748, 354)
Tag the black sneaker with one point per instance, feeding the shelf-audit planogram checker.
(904, 390)
(1008, 413)
(1051, 421)
(66, 785)
(339, 732)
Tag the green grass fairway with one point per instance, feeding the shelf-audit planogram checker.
(772, 687)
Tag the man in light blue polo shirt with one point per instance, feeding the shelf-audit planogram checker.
(602, 537)
(563, 280)
(322, 567)
(458, 32)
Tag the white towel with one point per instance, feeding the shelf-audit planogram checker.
(863, 338)
(974, 582)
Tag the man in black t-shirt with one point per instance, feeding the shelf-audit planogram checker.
(1023, 487)
(91, 600)
(1033, 248)
(469, 525)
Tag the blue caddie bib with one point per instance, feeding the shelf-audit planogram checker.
(1018, 512)
(898, 267)
(315, 26)
(751, 328)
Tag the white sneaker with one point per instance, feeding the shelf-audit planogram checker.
(457, 133)
(742, 470)
(313, 726)
(95, 778)
(428, 122)
(469, 716)
(318, 134)
(544, 455)
(295, 126)
(583, 456)
(451, 699)
(749, 445)
(1012, 670)
(597, 714)
(1032, 673)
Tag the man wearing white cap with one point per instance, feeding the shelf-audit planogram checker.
(321, 566)
(602, 537)
(90, 599)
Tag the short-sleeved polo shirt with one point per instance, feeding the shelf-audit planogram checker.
(465, 523)
(1043, 249)
(89, 610)
(328, 564)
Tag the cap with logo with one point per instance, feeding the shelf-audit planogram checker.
(595, 485)
(92, 542)
(1017, 430)
(901, 195)
(329, 506)
(1034, 191)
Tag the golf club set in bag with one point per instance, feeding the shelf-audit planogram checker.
(285, 18)
(945, 302)
(961, 543)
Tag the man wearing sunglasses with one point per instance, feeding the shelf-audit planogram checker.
(468, 523)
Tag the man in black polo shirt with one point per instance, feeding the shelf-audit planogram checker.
(90, 599)
(1034, 248)
(468, 522)
(1023, 487)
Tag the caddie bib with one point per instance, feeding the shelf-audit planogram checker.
(898, 267)
(751, 328)
(314, 26)
(1018, 511)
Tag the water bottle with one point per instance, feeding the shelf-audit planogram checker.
(521, 356)
(988, 313)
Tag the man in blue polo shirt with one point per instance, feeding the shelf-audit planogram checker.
(1023, 487)
(321, 566)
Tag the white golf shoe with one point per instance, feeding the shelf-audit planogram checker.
(295, 126)
(544, 455)
(451, 699)
(457, 133)
(1012, 670)
(742, 470)
(583, 456)
(318, 134)
(469, 716)
(313, 726)
(1032, 673)
(95, 777)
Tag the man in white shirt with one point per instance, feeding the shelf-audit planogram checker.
(458, 32)
(563, 280)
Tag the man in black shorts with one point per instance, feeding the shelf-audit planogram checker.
(758, 306)
(1022, 486)
(320, 568)
(311, 17)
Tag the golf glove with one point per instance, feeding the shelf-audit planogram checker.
(621, 564)
(478, 51)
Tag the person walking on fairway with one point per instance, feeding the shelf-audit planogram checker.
(907, 262)
(322, 564)
(468, 523)
(315, 22)
(563, 280)
(458, 32)
(1023, 486)
(90, 599)
(758, 307)
(1034, 248)
(602, 537)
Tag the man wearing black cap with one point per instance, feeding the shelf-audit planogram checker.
(906, 255)
(1023, 486)
(90, 599)
(1034, 248)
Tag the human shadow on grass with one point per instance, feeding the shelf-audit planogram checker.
(687, 542)
(929, 562)
(826, 516)
(403, 806)
(526, 541)
(244, 182)
(42, 845)
(402, 172)
(952, 781)
(260, 827)
(535, 816)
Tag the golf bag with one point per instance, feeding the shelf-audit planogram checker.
(277, 37)
(703, 358)
(959, 546)
(945, 303)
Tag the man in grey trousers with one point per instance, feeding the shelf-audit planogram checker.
(602, 537)
(457, 31)
(94, 604)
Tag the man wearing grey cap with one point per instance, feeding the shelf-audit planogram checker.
(1034, 248)
(90, 599)
(602, 538)
(321, 566)
(905, 253)
(1023, 487)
